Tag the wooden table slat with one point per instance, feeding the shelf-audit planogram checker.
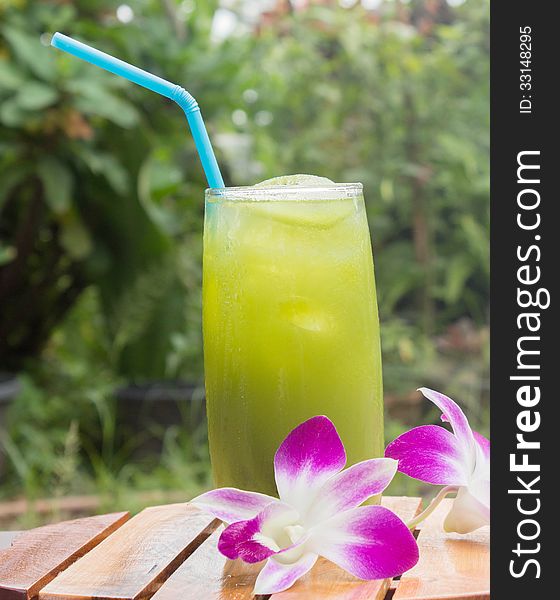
(209, 575)
(171, 551)
(451, 566)
(35, 557)
(136, 559)
(7, 537)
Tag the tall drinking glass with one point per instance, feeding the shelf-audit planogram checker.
(291, 328)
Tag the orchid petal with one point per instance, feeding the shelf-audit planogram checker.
(257, 539)
(351, 487)
(312, 453)
(479, 483)
(467, 513)
(456, 417)
(239, 540)
(430, 453)
(370, 542)
(276, 577)
(480, 489)
(231, 505)
(483, 444)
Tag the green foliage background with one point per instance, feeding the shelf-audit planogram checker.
(101, 203)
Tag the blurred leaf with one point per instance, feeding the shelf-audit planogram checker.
(7, 254)
(95, 100)
(157, 180)
(138, 303)
(10, 78)
(107, 166)
(75, 238)
(29, 50)
(33, 95)
(457, 271)
(477, 239)
(10, 178)
(12, 114)
(57, 182)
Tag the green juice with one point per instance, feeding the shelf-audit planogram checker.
(291, 328)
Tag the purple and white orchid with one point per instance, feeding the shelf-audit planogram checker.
(459, 460)
(318, 513)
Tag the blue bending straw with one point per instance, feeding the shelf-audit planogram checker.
(156, 84)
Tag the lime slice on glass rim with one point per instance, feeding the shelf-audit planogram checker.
(316, 214)
(300, 179)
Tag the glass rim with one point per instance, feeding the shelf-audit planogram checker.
(335, 191)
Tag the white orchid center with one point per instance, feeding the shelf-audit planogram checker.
(282, 530)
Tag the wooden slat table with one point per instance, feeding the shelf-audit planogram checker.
(451, 566)
(170, 553)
